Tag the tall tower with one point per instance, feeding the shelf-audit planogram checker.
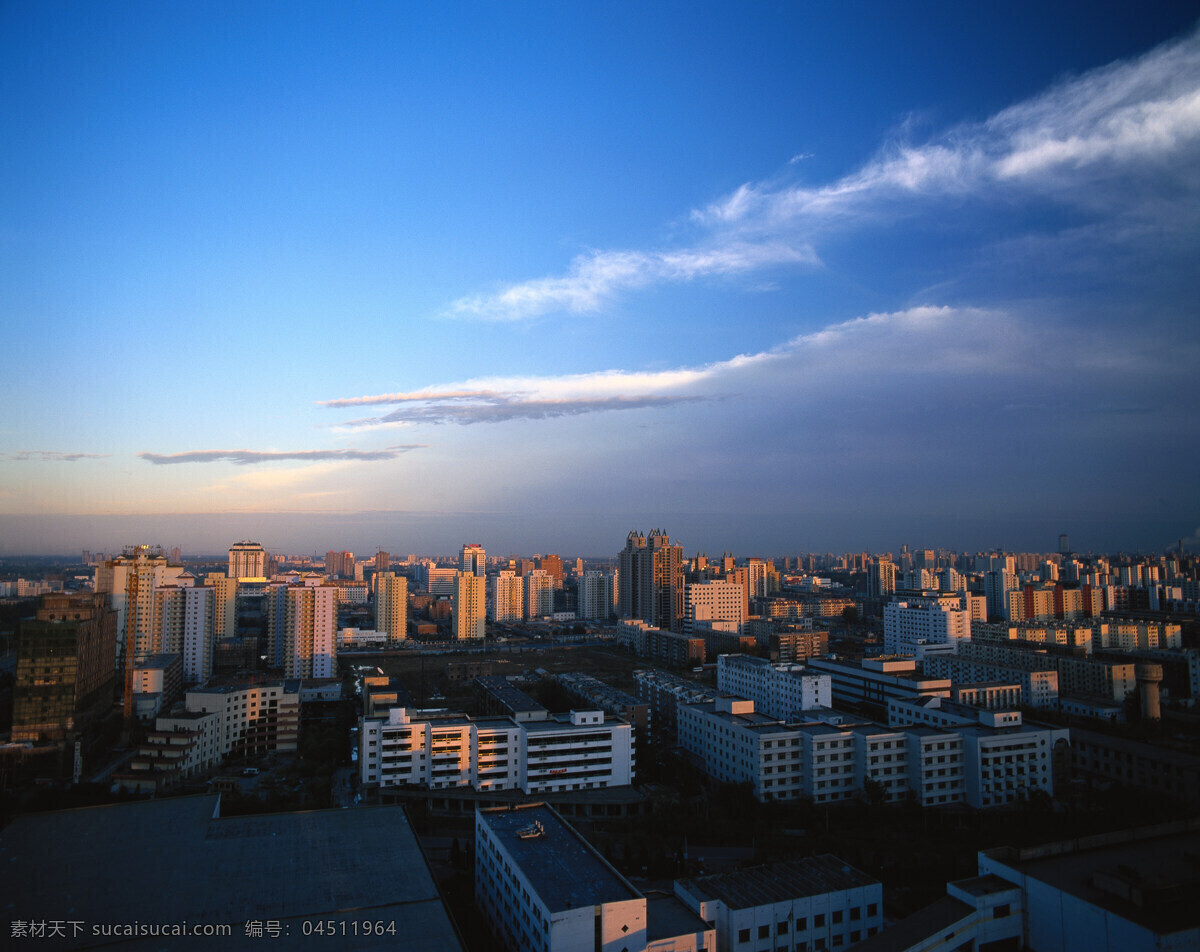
(539, 594)
(629, 561)
(508, 601)
(391, 605)
(650, 572)
(247, 560)
(881, 578)
(473, 559)
(310, 632)
(469, 606)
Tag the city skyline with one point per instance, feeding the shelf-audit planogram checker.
(773, 280)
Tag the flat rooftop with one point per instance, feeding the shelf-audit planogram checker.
(780, 882)
(1149, 876)
(564, 870)
(171, 860)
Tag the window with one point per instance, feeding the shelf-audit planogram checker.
(855, 913)
(818, 920)
(872, 909)
(802, 923)
(837, 916)
(781, 928)
(1000, 911)
(764, 931)
(743, 935)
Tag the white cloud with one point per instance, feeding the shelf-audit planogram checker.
(593, 279)
(1095, 128)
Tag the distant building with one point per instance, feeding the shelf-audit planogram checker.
(920, 626)
(597, 595)
(391, 605)
(65, 667)
(473, 559)
(650, 580)
(247, 560)
(507, 604)
(778, 690)
(469, 606)
(539, 594)
(310, 632)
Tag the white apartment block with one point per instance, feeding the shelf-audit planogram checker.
(543, 888)
(924, 626)
(943, 753)
(576, 751)
(1037, 688)
(539, 594)
(881, 757)
(198, 607)
(816, 903)
(736, 745)
(778, 690)
(1004, 759)
(936, 766)
(597, 595)
(829, 763)
(719, 604)
(252, 717)
(507, 604)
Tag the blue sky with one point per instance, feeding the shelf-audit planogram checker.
(779, 277)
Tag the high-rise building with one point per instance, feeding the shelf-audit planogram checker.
(391, 605)
(247, 560)
(65, 668)
(469, 606)
(134, 575)
(650, 573)
(719, 605)
(198, 602)
(539, 594)
(597, 594)
(473, 559)
(339, 564)
(508, 597)
(756, 578)
(881, 578)
(310, 632)
(383, 561)
(552, 565)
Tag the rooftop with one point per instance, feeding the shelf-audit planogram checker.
(188, 864)
(780, 882)
(1149, 876)
(564, 870)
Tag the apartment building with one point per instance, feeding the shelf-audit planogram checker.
(817, 903)
(576, 751)
(778, 690)
(664, 693)
(543, 888)
(255, 718)
(1037, 688)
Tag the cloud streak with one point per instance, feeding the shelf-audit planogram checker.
(595, 278)
(951, 340)
(1078, 141)
(50, 456)
(252, 457)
